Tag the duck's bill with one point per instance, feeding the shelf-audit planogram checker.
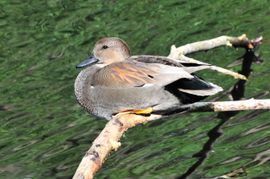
(89, 61)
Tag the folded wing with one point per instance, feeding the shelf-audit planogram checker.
(137, 74)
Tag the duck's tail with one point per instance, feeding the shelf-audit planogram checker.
(193, 90)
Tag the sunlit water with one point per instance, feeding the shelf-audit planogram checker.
(44, 133)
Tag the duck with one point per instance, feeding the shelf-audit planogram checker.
(112, 81)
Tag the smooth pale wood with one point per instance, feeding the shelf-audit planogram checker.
(241, 41)
(223, 106)
(251, 104)
(107, 141)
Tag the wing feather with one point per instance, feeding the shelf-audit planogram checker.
(137, 74)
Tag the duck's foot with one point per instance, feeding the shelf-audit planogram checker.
(146, 111)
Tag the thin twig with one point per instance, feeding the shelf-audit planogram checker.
(241, 41)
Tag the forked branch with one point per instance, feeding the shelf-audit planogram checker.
(108, 139)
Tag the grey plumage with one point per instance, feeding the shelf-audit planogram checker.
(138, 83)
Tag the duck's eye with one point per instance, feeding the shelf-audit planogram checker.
(105, 47)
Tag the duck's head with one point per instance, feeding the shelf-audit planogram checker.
(106, 51)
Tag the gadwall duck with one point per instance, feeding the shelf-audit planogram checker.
(114, 82)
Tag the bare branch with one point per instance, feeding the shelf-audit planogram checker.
(108, 139)
(222, 106)
(185, 59)
(241, 41)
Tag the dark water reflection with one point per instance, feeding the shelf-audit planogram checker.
(44, 133)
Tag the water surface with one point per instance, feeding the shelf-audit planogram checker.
(44, 132)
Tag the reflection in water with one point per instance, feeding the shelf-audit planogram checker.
(259, 142)
(262, 157)
(256, 129)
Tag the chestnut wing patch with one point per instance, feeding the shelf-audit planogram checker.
(131, 74)
(124, 75)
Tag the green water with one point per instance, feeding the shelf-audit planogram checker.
(43, 131)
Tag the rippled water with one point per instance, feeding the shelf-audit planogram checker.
(44, 133)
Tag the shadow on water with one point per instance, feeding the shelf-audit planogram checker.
(237, 93)
(213, 135)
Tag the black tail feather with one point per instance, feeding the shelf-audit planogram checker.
(192, 90)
